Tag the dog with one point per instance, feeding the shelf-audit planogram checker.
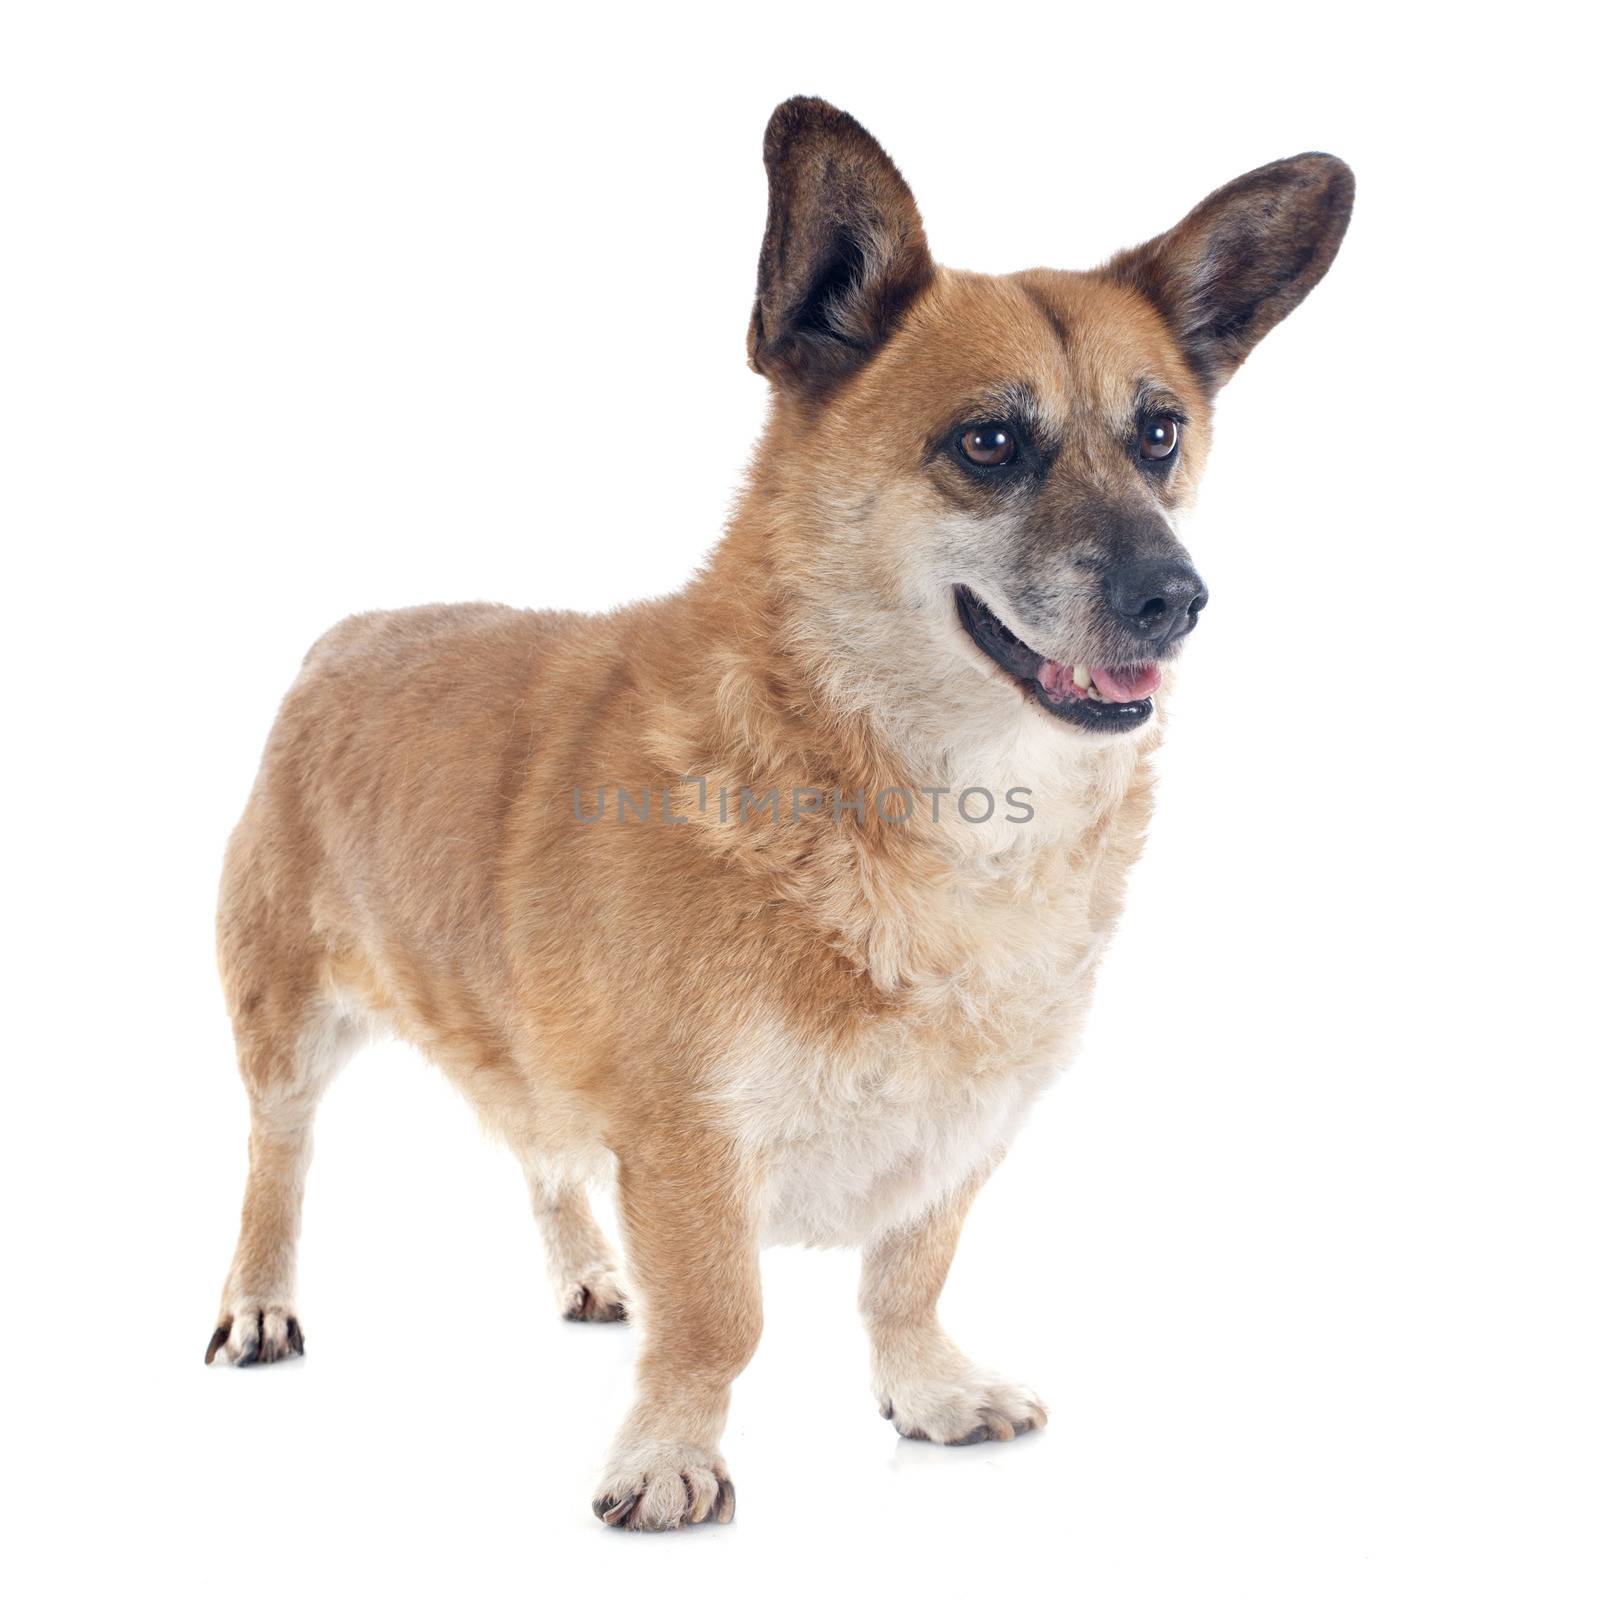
(775, 903)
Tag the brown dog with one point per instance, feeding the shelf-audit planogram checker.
(776, 901)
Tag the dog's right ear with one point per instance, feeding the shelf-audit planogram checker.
(844, 254)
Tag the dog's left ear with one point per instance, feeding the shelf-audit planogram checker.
(844, 253)
(1244, 258)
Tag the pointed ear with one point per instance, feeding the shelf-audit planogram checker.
(844, 254)
(1244, 258)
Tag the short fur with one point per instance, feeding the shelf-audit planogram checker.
(816, 1028)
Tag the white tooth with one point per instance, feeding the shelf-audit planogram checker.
(1081, 676)
(1094, 693)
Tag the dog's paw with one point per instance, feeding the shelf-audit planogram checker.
(594, 1296)
(962, 1410)
(253, 1333)
(652, 1487)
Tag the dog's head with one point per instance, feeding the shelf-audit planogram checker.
(983, 474)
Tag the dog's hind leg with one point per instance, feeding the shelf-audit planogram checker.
(292, 1034)
(583, 1266)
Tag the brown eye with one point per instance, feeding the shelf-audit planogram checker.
(1160, 438)
(988, 446)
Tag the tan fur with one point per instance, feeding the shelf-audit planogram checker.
(807, 1029)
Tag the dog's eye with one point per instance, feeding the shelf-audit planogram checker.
(1160, 438)
(990, 445)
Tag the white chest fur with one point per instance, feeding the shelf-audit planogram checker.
(998, 960)
(848, 1148)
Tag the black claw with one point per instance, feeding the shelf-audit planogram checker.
(590, 1308)
(297, 1340)
(613, 1512)
(218, 1339)
(258, 1352)
(977, 1436)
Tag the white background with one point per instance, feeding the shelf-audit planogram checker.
(311, 309)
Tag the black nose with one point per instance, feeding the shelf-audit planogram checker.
(1159, 600)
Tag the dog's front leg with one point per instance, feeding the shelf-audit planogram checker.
(690, 1229)
(925, 1386)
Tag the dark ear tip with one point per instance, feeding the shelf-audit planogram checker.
(803, 114)
(803, 105)
(1334, 175)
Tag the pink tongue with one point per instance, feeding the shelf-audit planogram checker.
(1122, 684)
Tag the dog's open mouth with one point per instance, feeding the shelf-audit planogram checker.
(1104, 699)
